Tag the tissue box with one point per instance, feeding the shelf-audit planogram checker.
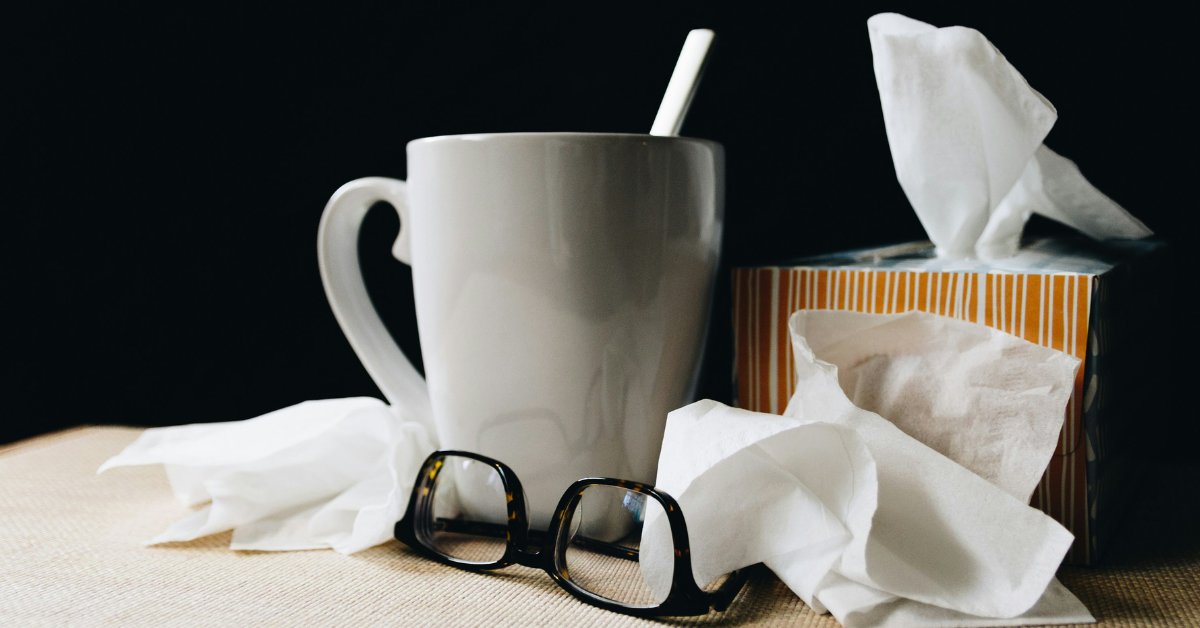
(1097, 302)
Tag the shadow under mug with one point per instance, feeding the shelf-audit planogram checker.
(562, 285)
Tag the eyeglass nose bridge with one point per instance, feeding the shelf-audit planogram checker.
(529, 557)
(529, 548)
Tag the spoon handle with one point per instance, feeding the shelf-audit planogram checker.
(684, 81)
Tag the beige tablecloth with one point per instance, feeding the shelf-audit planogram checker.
(70, 554)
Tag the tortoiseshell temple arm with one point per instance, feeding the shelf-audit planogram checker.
(720, 599)
(536, 538)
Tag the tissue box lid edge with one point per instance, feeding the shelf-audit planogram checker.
(1042, 256)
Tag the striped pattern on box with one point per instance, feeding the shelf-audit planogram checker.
(1049, 309)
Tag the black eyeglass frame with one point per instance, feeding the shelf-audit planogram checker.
(686, 596)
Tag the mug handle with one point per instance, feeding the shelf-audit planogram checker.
(337, 255)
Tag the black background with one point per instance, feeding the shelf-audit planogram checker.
(165, 169)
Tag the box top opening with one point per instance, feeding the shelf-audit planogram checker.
(1041, 256)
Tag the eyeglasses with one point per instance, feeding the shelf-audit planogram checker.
(468, 511)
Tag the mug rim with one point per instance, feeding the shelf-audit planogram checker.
(480, 137)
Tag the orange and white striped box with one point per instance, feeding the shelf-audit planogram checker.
(1079, 297)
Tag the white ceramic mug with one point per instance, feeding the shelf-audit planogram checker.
(562, 285)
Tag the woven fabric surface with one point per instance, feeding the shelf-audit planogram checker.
(71, 554)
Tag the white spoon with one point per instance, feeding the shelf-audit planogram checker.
(684, 81)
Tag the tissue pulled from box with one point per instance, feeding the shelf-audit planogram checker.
(854, 512)
(965, 131)
(333, 474)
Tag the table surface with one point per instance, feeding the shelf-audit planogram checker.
(71, 553)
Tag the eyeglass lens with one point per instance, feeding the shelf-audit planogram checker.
(469, 512)
(613, 553)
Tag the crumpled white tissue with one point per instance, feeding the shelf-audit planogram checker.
(966, 131)
(320, 474)
(988, 400)
(856, 516)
